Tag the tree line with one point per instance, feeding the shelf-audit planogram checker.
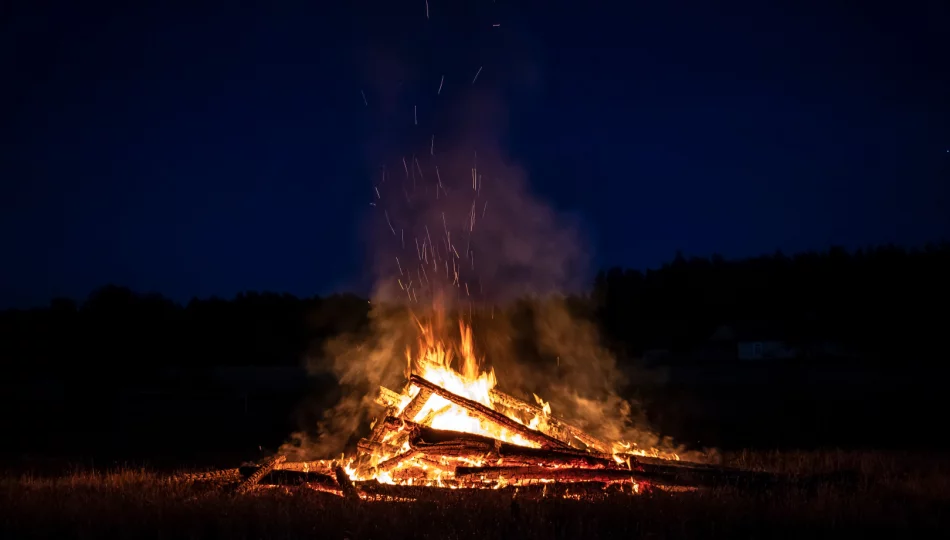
(886, 303)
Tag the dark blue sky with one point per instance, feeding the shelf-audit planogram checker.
(192, 148)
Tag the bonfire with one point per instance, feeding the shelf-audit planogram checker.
(449, 427)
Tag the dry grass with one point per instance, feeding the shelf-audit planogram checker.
(905, 494)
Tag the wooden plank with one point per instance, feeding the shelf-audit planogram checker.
(346, 486)
(417, 404)
(388, 398)
(484, 413)
(530, 475)
(558, 428)
(322, 466)
(265, 467)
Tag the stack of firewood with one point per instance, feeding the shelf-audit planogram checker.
(404, 457)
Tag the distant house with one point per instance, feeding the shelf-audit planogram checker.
(751, 341)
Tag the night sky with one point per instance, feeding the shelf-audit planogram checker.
(205, 149)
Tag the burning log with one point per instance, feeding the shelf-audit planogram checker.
(555, 424)
(395, 462)
(435, 443)
(649, 473)
(265, 467)
(389, 398)
(225, 475)
(323, 488)
(367, 446)
(484, 413)
(582, 490)
(322, 466)
(375, 489)
(346, 486)
(417, 403)
(432, 415)
(531, 475)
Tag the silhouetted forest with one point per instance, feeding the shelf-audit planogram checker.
(125, 375)
(879, 304)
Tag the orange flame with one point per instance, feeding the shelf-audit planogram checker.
(457, 369)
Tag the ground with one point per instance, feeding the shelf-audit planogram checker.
(896, 493)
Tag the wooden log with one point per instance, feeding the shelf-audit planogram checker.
(394, 462)
(443, 450)
(346, 486)
(264, 468)
(224, 475)
(375, 489)
(449, 491)
(332, 490)
(653, 474)
(389, 398)
(513, 457)
(367, 446)
(291, 478)
(416, 405)
(558, 428)
(436, 463)
(322, 466)
(413, 475)
(430, 416)
(695, 474)
(423, 437)
(480, 411)
(530, 475)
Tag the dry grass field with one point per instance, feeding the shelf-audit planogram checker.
(903, 494)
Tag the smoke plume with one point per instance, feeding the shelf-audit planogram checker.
(457, 234)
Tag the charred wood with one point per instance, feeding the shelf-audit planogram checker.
(416, 404)
(389, 398)
(224, 475)
(346, 486)
(459, 444)
(322, 466)
(517, 475)
(370, 447)
(378, 431)
(255, 477)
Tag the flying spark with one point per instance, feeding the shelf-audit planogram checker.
(365, 103)
(476, 74)
(440, 85)
(429, 237)
(427, 9)
(388, 223)
(419, 168)
(415, 115)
